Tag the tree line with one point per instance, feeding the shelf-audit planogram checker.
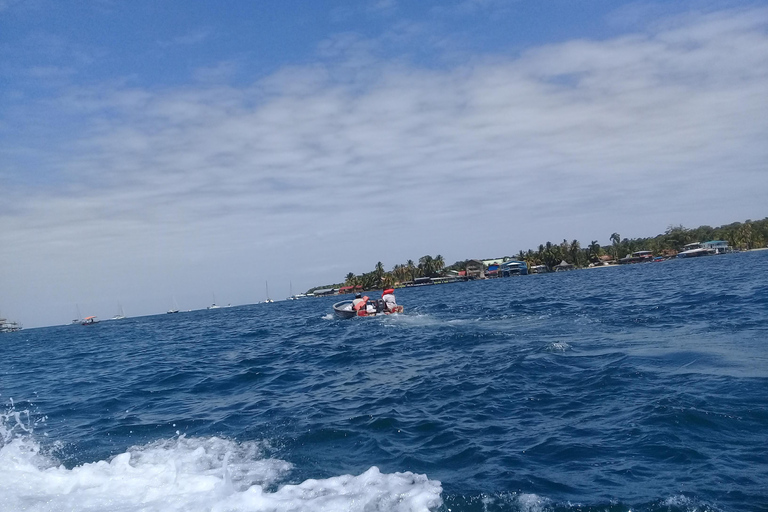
(428, 266)
(747, 235)
(743, 236)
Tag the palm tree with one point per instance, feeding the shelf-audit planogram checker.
(379, 272)
(575, 250)
(387, 280)
(426, 265)
(439, 263)
(411, 269)
(616, 239)
(349, 279)
(594, 250)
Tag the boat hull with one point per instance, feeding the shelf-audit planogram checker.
(344, 310)
(695, 253)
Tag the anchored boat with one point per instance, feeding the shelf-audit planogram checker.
(89, 320)
(8, 326)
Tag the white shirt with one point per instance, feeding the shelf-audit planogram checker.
(389, 301)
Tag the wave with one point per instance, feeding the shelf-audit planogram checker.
(205, 474)
(213, 474)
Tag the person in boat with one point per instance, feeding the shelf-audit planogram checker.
(388, 297)
(357, 301)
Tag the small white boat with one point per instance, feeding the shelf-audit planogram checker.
(174, 307)
(120, 315)
(78, 318)
(8, 326)
(695, 250)
(213, 305)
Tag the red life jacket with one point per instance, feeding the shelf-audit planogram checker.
(360, 305)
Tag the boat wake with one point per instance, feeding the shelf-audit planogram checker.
(190, 474)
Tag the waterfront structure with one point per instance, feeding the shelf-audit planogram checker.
(475, 269)
(513, 268)
(717, 246)
(637, 257)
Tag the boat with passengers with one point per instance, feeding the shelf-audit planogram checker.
(363, 306)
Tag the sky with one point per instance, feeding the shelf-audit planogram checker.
(194, 151)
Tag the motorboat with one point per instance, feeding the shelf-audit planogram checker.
(344, 309)
(8, 326)
(637, 257)
(89, 320)
(695, 250)
(214, 305)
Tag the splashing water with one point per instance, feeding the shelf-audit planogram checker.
(191, 475)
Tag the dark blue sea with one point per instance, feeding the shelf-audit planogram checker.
(641, 388)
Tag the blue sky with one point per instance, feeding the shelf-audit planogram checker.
(151, 150)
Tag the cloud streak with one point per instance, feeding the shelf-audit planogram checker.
(225, 184)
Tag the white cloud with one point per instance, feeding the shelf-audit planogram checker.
(213, 188)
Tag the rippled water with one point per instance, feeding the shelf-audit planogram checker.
(640, 388)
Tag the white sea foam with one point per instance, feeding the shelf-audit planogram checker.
(191, 474)
(532, 502)
(689, 504)
(558, 346)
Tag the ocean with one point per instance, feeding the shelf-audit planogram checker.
(638, 388)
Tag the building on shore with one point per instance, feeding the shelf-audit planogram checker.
(475, 269)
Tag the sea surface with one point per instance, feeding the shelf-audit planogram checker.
(642, 388)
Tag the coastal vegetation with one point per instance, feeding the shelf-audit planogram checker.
(739, 235)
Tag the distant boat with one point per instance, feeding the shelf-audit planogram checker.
(695, 250)
(8, 326)
(214, 306)
(89, 320)
(174, 307)
(290, 288)
(120, 315)
(637, 257)
(78, 318)
(268, 299)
